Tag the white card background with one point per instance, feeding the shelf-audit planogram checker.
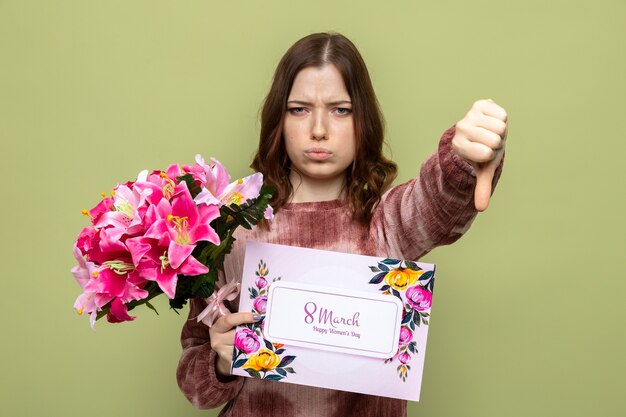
(333, 319)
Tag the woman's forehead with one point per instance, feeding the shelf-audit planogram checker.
(319, 84)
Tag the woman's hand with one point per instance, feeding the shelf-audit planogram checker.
(479, 139)
(222, 335)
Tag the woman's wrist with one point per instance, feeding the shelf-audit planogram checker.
(222, 370)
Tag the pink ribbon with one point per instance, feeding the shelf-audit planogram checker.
(216, 308)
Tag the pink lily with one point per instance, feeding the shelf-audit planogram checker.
(236, 192)
(162, 184)
(128, 204)
(181, 225)
(85, 302)
(88, 238)
(242, 190)
(104, 206)
(216, 177)
(155, 266)
(165, 249)
(118, 312)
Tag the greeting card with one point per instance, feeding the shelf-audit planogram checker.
(334, 320)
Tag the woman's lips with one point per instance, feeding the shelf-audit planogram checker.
(318, 154)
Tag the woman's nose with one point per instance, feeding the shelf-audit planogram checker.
(319, 131)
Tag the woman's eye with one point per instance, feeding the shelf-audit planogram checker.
(296, 110)
(343, 111)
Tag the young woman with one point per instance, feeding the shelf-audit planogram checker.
(321, 147)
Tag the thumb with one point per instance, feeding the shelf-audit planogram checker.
(482, 192)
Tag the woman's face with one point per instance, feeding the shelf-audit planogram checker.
(318, 127)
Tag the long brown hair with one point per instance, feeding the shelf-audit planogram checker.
(370, 173)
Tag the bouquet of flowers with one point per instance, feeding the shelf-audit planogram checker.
(165, 233)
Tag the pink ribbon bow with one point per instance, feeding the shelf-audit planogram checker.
(216, 308)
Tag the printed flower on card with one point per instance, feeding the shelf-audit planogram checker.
(269, 362)
(261, 282)
(404, 358)
(419, 298)
(262, 361)
(405, 336)
(400, 279)
(260, 304)
(247, 341)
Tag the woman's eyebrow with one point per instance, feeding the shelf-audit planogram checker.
(308, 103)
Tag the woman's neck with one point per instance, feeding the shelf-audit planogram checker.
(307, 190)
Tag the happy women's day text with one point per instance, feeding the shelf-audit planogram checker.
(334, 331)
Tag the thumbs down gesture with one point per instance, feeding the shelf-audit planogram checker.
(479, 139)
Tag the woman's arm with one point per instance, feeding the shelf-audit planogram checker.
(434, 209)
(196, 374)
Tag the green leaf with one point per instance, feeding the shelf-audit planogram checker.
(412, 265)
(151, 307)
(390, 261)
(426, 276)
(253, 373)
(268, 345)
(407, 317)
(273, 377)
(192, 185)
(290, 370)
(286, 360)
(250, 212)
(279, 351)
(202, 285)
(281, 371)
(236, 352)
(177, 304)
(378, 278)
(239, 363)
(374, 269)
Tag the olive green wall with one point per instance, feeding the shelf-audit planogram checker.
(528, 313)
